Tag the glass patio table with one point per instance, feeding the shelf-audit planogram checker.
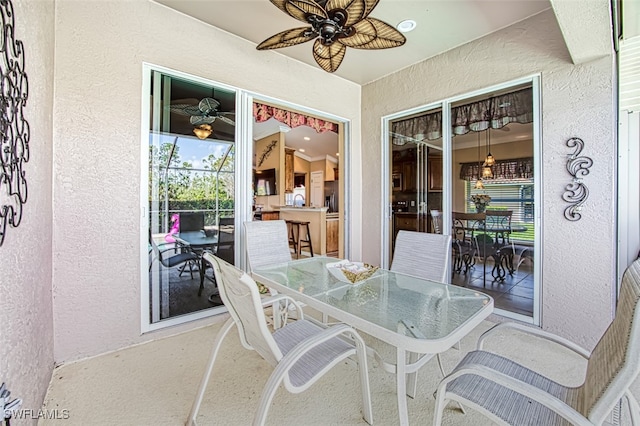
(418, 317)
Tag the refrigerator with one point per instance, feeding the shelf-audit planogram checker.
(331, 194)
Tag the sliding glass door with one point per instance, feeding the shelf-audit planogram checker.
(191, 193)
(468, 167)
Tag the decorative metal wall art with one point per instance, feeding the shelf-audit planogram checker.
(267, 151)
(576, 193)
(14, 129)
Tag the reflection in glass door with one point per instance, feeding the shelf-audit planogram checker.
(191, 191)
(416, 172)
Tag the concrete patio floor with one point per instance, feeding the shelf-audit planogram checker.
(155, 383)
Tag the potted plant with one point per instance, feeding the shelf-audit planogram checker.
(481, 201)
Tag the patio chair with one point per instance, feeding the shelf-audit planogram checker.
(422, 254)
(301, 352)
(183, 258)
(509, 393)
(267, 244)
(426, 256)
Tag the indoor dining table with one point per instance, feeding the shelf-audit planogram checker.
(420, 318)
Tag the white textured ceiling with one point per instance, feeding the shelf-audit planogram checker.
(442, 25)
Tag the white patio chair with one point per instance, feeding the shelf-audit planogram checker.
(300, 352)
(427, 256)
(267, 244)
(509, 393)
(422, 254)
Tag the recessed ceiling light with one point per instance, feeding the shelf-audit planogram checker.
(337, 154)
(406, 25)
(301, 150)
(307, 138)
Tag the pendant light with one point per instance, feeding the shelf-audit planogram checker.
(487, 172)
(479, 184)
(202, 131)
(489, 161)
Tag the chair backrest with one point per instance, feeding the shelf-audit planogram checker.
(225, 247)
(614, 363)
(267, 242)
(191, 221)
(466, 225)
(499, 219)
(436, 221)
(422, 254)
(240, 295)
(156, 251)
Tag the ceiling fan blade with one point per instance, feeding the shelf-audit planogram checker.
(182, 109)
(207, 105)
(300, 9)
(356, 9)
(226, 120)
(287, 38)
(329, 57)
(384, 35)
(201, 119)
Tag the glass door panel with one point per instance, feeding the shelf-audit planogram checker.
(191, 187)
(493, 197)
(416, 172)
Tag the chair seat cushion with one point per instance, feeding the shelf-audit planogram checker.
(180, 258)
(317, 359)
(510, 406)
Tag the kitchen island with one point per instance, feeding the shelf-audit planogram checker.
(317, 218)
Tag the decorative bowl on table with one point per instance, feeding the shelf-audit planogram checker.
(351, 272)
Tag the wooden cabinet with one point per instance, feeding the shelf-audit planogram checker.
(435, 174)
(332, 235)
(406, 221)
(409, 176)
(288, 170)
(270, 215)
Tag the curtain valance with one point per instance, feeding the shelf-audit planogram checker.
(263, 112)
(517, 168)
(495, 112)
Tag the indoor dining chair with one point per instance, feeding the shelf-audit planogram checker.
(301, 352)
(512, 394)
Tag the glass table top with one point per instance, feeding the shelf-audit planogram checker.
(399, 303)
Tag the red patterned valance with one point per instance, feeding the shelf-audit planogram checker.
(262, 112)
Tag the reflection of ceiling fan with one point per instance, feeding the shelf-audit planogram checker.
(336, 25)
(206, 112)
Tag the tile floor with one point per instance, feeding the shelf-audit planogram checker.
(514, 294)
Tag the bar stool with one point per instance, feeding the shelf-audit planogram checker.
(298, 228)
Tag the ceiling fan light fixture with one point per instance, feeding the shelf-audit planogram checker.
(202, 131)
(406, 25)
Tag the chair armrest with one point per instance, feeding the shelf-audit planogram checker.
(536, 332)
(271, 300)
(551, 402)
(328, 333)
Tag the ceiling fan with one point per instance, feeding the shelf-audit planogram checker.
(205, 112)
(336, 25)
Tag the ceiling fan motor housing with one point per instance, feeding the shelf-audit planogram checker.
(331, 28)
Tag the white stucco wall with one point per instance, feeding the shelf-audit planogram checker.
(26, 318)
(100, 47)
(578, 264)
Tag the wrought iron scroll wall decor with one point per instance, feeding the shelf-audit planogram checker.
(267, 152)
(576, 193)
(14, 128)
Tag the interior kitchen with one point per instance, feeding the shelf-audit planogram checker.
(296, 175)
